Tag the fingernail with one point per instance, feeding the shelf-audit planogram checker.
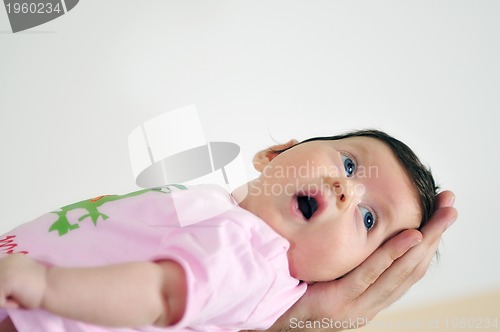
(451, 201)
(416, 241)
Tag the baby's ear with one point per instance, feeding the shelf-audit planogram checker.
(262, 158)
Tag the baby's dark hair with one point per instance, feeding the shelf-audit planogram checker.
(420, 176)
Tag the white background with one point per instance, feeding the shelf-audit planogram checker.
(426, 72)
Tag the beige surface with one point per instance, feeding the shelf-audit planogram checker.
(478, 312)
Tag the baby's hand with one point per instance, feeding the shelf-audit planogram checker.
(22, 282)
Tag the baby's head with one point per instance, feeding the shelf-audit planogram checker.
(337, 199)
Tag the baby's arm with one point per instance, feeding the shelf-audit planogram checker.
(125, 295)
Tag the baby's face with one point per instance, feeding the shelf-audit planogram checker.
(335, 201)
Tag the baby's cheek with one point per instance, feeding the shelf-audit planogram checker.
(301, 262)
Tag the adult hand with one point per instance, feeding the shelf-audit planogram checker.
(353, 300)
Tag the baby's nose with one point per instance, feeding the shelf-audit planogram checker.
(345, 191)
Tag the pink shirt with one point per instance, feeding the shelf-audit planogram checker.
(236, 265)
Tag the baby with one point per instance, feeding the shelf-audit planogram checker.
(318, 209)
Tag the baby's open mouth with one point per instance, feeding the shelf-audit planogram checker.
(307, 206)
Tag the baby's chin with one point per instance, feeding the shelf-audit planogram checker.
(310, 281)
(310, 275)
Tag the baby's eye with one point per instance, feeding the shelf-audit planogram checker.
(349, 165)
(368, 218)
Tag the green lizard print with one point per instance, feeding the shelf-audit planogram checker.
(63, 226)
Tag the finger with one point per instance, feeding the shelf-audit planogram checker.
(403, 275)
(429, 246)
(392, 283)
(439, 222)
(445, 199)
(415, 275)
(357, 281)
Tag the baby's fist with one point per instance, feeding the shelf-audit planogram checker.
(22, 282)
